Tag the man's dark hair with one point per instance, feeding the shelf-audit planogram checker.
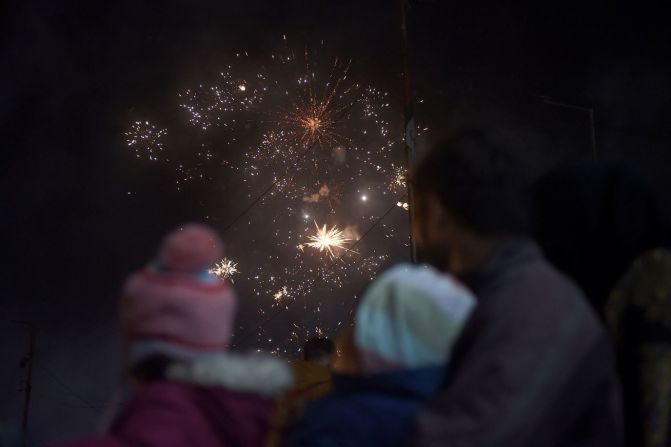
(318, 348)
(478, 182)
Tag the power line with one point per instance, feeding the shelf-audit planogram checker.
(267, 190)
(286, 172)
(55, 378)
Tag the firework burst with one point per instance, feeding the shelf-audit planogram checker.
(281, 294)
(399, 178)
(328, 239)
(314, 117)
(145, 139)
(225, 269)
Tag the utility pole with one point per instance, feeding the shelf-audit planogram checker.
(27, 363)
(410, 127)
(590, 113)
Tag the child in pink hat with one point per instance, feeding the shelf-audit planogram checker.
(177, 322)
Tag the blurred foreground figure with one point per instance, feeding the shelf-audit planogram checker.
(177, 321)
(534, 365)
(312, 380)
(391, 363)
(593, 221)
(312, 375)
(639, 314)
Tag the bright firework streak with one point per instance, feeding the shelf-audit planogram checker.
(328, 239)
(225, 269)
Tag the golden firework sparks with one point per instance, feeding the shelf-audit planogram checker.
(327, 239)
(398, 179)
(280, 294)
(316, 112)
(225, 269)
(315, 121)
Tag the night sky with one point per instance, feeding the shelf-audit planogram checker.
(75, 74)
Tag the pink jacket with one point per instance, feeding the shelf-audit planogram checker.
(223, 402)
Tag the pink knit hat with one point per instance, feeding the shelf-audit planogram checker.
(190, 248)
(175, 300)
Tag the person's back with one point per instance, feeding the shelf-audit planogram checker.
(222, 401)
(396, 361)
(182, 387)
(531, 364)
(379, 410)
(534, 366)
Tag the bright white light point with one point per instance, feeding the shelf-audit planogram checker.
(305, 216)
(242, 87)
(364, 198)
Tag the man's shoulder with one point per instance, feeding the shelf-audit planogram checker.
(534, 299)
(535, 280)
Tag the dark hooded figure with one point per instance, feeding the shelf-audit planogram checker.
(593, 221)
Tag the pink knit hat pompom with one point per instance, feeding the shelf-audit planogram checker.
(190, 248)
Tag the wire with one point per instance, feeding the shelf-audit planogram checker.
(265, 192)
(67, 388)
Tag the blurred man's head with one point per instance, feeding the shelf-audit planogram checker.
(318, 350)
(469, 193)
